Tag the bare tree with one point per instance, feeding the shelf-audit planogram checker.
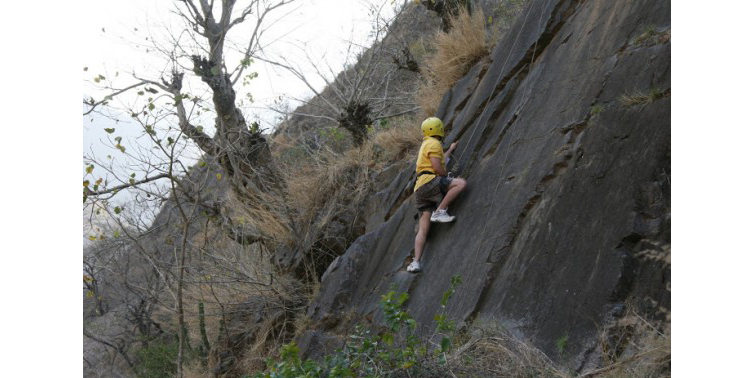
(240, 150)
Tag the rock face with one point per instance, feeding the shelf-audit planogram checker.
(564, 139)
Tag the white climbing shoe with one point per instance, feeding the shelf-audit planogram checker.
(441, 216)
(413, 267)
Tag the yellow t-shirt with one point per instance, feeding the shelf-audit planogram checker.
(431, 147)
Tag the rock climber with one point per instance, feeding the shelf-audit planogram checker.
(434, 189)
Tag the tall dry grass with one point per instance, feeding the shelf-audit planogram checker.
(323, 181)
(488, 350)
(401, 139)
(453, 54)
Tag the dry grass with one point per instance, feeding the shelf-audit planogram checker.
(634, 348)
(322, 182)
(454, 54)
(652, 35)
(641, 98)
(493, 352)
(317, 185)
(401, 140)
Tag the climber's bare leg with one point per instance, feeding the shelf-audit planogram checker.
(424, 229)
(457, 186)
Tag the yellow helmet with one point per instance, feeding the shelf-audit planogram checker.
(432, 126)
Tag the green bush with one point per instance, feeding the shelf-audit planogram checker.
(157, 360)
(366, 354)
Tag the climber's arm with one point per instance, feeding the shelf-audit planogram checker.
(450, 150)
(437, 166)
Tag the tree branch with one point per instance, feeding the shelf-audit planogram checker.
(90, 192)
(110, 97)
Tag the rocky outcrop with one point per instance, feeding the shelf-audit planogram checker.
(564, 139)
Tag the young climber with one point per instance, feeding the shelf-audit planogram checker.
(434, 189)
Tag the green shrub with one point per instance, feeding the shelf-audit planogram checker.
(385, 353)
(158, 360)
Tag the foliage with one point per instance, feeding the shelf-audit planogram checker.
(392, 349)
(561, 343)
(596, 109)
(157, 360)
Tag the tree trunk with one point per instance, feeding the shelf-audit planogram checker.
(179, 293)
(205, 346)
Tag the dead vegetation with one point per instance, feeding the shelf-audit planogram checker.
(490, 351)
(452, 55)
(493, 352)
(641, 98)
(635, 347)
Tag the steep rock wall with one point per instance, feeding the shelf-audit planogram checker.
(566, 219)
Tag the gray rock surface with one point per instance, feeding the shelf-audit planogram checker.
(568, 203)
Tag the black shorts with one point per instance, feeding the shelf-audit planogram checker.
(428, 196)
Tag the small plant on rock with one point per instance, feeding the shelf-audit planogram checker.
(640, 98)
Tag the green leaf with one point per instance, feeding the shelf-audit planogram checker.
(117, 210)
(215, 70)
(388, 339)
(445, 344)
(218, 176)
(170, 141)
(109, 130)
(151, 106)
(199, 129)
(86, 183)
(140, 93)
(118, 139)
(202, 163)
(90, 168)
(133, 175)
(131, 181)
